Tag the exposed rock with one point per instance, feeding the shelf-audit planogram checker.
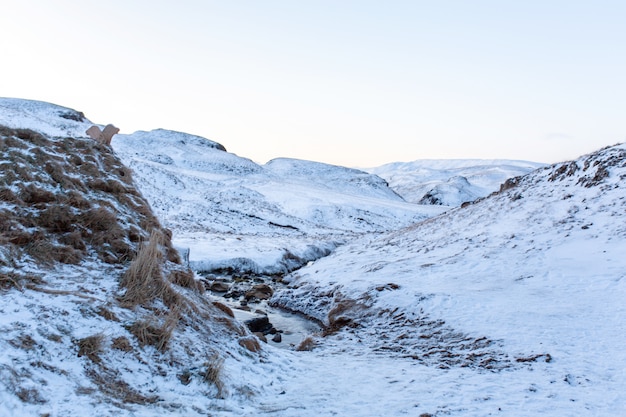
(261, 336)
(277, 338)
(259, 324)
(219, 286)
(260, 291)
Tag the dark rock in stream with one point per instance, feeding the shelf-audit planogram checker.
(260, 291)
(219, 286)
(259, 324)
(277, 338)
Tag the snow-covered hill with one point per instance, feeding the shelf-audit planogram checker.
(97, 314)
(529, 284)
(509, 306)
(450, 182)
(234, 213)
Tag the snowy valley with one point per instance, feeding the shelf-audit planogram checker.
(461, 288)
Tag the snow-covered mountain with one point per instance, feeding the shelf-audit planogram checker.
(234, 213)
(512, 305)
(450, 182)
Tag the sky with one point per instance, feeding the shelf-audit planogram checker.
(352, 83)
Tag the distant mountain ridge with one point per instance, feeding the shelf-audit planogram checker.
(450, 182)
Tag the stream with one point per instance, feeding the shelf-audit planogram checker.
(235, 292)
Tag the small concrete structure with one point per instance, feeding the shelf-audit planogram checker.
(102, 136)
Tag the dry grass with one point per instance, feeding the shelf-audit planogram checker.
(144, 279)
(306, 345)
(212, 373)
(149, 332)
(224, 308)
(251, 343)
(91, 347)
(109, 384)
(184, 278)
(14, 279)
(122, 343)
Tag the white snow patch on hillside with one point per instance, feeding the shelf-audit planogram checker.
(43, 117)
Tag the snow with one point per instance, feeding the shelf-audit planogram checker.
(512, 305)
(450, 182)
(232, 212)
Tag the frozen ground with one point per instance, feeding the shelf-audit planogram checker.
(510, 306)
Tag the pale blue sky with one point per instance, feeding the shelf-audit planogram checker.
(356, 83)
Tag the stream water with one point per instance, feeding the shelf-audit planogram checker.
(292, 328)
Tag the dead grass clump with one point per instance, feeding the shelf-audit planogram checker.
(183, 278)
(143, 279)
(33, 137)
(251, 343)
(57, 218)
(31, 194)
(99, 219)
(46, 252)
(57, 173)
(30, 396)
(122, 343)
(109, 384)
(212, 373)
(13, 279)
(91, 347)
(148, 332)
(76, 200)
(125, 174)
(306, 345)
(9, 141)
(75, 240)
(106, 313)
(6, 194)
(110, 186)
(224, 308)
(24, 342)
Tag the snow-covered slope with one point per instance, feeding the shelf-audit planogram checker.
(97, 314)
(529, 283)
(234, 213)
(42, 117)
(450, 182)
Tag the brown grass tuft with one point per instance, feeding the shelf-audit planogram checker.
(143, 280)
(183, 278)
(213, 373)
(13, 279)
(122, 343)
(224, 308)
(251, 343)
(148, 332)
(109, 383)
(91, 347)
(306, 345)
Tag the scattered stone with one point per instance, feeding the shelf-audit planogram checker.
(260, 291)
(277, 338)
(259, 324)
(261, 336)
(219, 286)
